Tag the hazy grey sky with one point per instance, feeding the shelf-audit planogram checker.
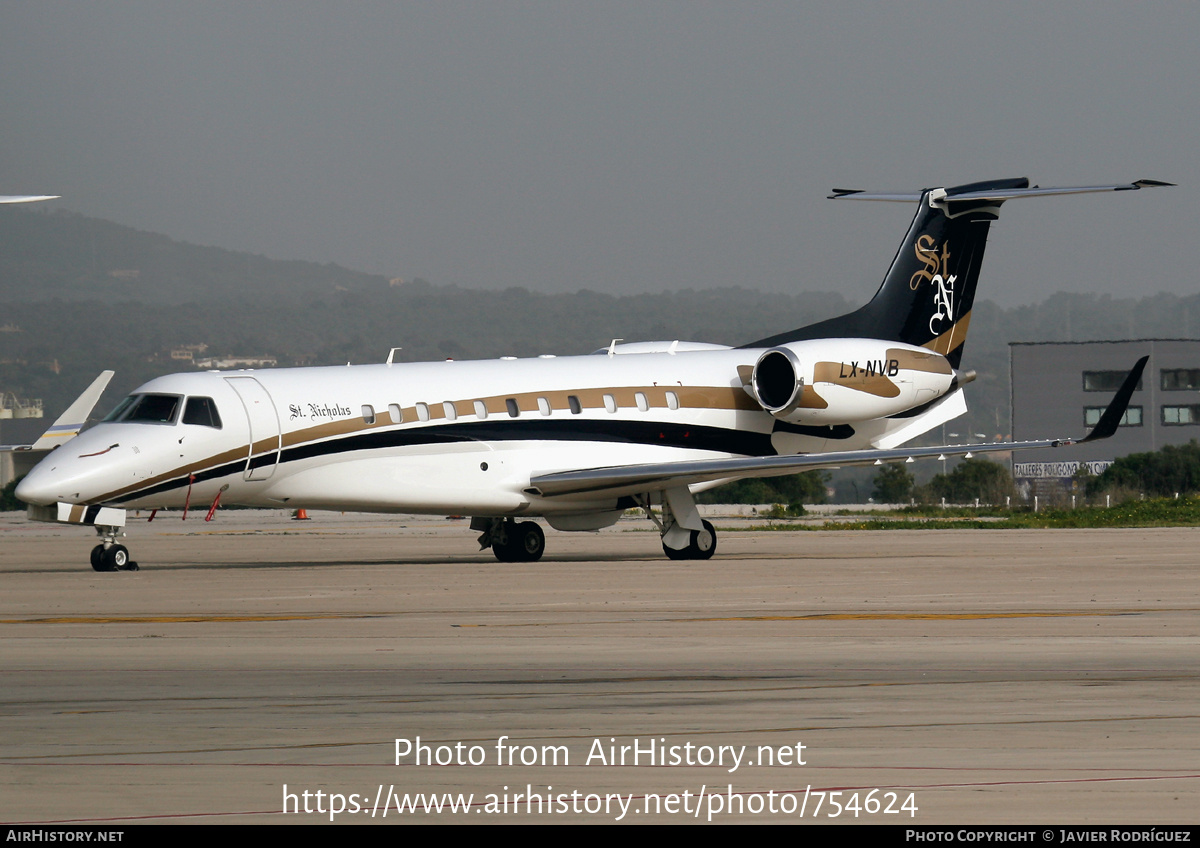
(621, 147)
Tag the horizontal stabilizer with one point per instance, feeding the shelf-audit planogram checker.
(966, 193)
(893, 196)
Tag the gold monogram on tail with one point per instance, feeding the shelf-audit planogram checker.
(943, 286)
(943, 300)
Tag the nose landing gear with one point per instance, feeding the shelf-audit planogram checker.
(110, 556)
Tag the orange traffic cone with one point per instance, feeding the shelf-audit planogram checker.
(300, 515)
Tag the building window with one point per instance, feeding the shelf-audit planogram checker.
(1177, 379)
(1131, 418)
(1105, 381)
(1180, 415)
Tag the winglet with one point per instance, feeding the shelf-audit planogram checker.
(68, 425)
(1109, 421)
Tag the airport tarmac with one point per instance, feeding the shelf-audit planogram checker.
(1005, 676)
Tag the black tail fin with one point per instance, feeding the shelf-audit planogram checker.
(927, 294)
(926, 297)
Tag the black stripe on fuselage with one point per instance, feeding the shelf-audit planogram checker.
(827, 431)
(214, 473)
(665, 434)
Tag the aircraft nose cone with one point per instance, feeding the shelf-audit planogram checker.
(37, 488)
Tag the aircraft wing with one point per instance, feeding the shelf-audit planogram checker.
(68, 425)
(635, 479)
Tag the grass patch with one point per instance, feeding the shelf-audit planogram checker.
(1161, 512)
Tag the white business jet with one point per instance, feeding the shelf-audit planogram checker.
(576, 440)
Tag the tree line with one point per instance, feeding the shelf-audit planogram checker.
(66, 316)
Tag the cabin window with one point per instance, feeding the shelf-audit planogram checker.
(396, 413)
(672, 400)
(423, 411)
(543, 406)
(573, 402)
(642, 403)
(610, 403)
(449, 411)
(513, 410)
(202, 411)
(368, 413)
(147, 409)
(480, 409)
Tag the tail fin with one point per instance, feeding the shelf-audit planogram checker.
(927, 295)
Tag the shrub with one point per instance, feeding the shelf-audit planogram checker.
(973, 478)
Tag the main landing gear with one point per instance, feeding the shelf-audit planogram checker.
(684, 534)
(108, 555)
(702, 544)
(510, 541)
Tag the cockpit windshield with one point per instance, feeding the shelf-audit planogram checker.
(147, 409)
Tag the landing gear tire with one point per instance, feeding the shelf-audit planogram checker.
(98, 558)
(504, 553)
(526, 543)
(531, 541)
(702, 545)
(704, 542)
(116, 558)
(674, 554)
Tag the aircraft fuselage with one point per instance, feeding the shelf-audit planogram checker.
(466, 437)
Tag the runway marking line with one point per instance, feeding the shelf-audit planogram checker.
(916, 616)
(883, 616)
(862, 616)
(183, 619)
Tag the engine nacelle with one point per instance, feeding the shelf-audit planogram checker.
(841, 381)
(778, 381)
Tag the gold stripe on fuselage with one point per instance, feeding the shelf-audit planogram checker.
(858, 379)
(690, 397)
